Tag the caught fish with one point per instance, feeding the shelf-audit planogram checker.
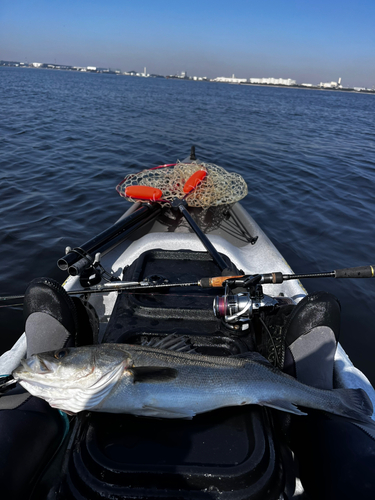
(140, 380)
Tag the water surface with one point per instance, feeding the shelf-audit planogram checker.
(67, 139)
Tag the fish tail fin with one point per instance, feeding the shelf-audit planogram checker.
(354, 404)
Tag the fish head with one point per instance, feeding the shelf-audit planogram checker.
(74, 379)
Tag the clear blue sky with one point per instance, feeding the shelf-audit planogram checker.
(307, 40)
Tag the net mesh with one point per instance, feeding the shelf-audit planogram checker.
(219, 187)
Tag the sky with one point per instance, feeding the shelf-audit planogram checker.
(310, 41)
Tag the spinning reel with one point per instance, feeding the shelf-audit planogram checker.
(237, 309)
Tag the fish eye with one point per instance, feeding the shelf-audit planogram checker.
(60, 354)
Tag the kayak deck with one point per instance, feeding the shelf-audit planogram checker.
(232, 231)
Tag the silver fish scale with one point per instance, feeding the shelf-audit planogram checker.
(148, 381)
(204, 383)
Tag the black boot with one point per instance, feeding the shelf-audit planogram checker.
(311, 336)
(50, 316)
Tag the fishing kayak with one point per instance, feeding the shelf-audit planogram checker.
(205, 280)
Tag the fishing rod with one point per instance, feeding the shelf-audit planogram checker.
(217, 281)
(242, 280)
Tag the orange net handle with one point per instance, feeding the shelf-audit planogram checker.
(143, 193)
(194, 180)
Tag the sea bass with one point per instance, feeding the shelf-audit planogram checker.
(153, 382)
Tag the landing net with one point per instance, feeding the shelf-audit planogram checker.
(219, 187)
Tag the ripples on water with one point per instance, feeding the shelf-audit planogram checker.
(308, 157)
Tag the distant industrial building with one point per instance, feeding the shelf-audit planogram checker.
(259, 81)
(137, 73)
(230, 80)
(144, 74)
(331, 85)
(273, 81)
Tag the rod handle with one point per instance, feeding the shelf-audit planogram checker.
(356, 272)
(215, 282)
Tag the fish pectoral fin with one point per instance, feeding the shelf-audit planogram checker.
(154, 411)
(153, 374)
(280, 404)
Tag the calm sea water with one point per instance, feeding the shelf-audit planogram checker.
(67, 139)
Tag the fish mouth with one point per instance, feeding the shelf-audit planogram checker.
(37, 365)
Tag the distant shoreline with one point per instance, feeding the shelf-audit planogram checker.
(302, 87)
(117, 73)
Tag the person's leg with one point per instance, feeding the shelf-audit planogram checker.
(336, 455)
(30, 430)
(311, 335)
(30, 433)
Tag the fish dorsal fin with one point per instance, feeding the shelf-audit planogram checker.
(253, 356)
(171, 342)
(153, 374)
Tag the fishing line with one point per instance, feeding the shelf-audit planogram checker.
(277, 361)
(84, 292)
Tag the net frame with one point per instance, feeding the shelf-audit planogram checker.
(219, 187)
